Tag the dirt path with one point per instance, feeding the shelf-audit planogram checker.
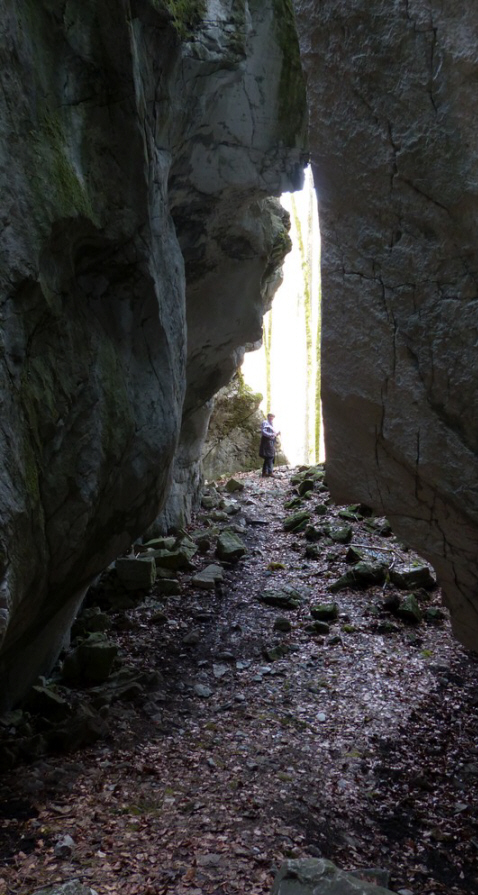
(359, 745)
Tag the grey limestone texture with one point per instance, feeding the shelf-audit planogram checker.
(392, 93)
(133, 161)
(316, 876)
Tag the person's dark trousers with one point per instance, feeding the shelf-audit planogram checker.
(268, 466)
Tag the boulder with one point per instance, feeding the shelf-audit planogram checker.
(47, 702)
(318, 627)
(408, 576)
(90, 663)
(341, 534)
(73, 887)
(296, 522)
(363, 574)
(207, 578)
(305, 486)
(285, 597)
(325, 612)
(136, 573)
(234, 485)
(409, 610)
(178, 559)
(168, 587)
(229, 546)
(315, 876)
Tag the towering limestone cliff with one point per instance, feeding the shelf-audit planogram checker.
(393, 94)
(140, 146)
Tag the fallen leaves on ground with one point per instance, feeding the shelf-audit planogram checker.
(359, 746)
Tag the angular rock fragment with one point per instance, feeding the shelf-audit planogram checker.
(169, 587)
(433, 615)
(312, 533)
(353, 556)
(282, 624)
(83, 729)
(296, 522)
(321, 509)
(293, 503)
(90, 621)
(89, 663)
(316, 876)
(409, 610)
(73, 887)
(412, 576)
(341, 534)
(273, 653)
(64, 847)
(318, 627)
(178, 559)
(305, 485)
(325, 611)
(234, 485)
(362, 575)
(207, 578)
(136, 573)
(44, 701)
(164, 543)
(285, 597)
(229, 546)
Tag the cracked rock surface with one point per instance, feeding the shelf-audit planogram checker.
(140, 245)
(392, 89)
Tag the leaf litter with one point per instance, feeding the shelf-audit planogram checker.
(263, 741)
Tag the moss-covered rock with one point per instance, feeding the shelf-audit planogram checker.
(296, 522)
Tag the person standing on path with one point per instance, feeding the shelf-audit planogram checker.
(267, 448)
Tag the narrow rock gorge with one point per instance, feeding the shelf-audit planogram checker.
(144, 145)
(140, 246)
(392, 97)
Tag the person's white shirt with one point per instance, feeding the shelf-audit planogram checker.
(268, 430)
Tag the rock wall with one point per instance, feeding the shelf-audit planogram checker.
(246, 142)
(234, 432)
(126, 155)
(392, 95)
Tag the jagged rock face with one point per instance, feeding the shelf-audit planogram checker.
(247, 144)
(92, 315)
(392, 94)
(234, 432)
(106, 155)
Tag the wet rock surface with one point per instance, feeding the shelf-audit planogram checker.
(231, 736)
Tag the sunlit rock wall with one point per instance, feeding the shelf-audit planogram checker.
(394, 134)
(115, 148)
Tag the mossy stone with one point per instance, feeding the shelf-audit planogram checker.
(362, 575)
(318, 627)
(325, 611)
(409, 610)
(229, 546)
(296, 522)
(282, 624)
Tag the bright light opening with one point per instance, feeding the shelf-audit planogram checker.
(286, 369)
